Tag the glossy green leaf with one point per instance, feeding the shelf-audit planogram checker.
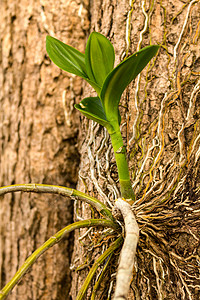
(92, 108)
(120, 77)
(99, 57)
(66, 57)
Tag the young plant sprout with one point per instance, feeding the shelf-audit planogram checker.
(96, 66)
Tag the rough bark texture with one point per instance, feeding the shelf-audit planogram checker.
(160, 123)
(38, 136)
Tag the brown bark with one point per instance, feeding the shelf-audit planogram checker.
(160, 117)
(38, 136)
(160, 123)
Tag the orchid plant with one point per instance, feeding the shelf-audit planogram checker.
(96, 66)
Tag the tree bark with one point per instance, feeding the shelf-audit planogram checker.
(38, 136)
(160, 125)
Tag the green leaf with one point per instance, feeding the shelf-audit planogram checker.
(99, 57)
(66, 57)
(92, 108)
(120, 77)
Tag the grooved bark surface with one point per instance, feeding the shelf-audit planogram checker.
(38, 136)
(160, 124)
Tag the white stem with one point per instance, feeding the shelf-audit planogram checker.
(127, 256)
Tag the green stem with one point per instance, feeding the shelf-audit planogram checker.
(122, 164)
(60, 190)
(49, 243)
(101, 277)
(95, 266)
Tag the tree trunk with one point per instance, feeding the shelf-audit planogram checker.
(160, 124)
(38, 137)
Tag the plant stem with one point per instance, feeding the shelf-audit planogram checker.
(60, 190)
(128, 252)
(95, 266)
(48, 244)
(101, 277)
(122, 164)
